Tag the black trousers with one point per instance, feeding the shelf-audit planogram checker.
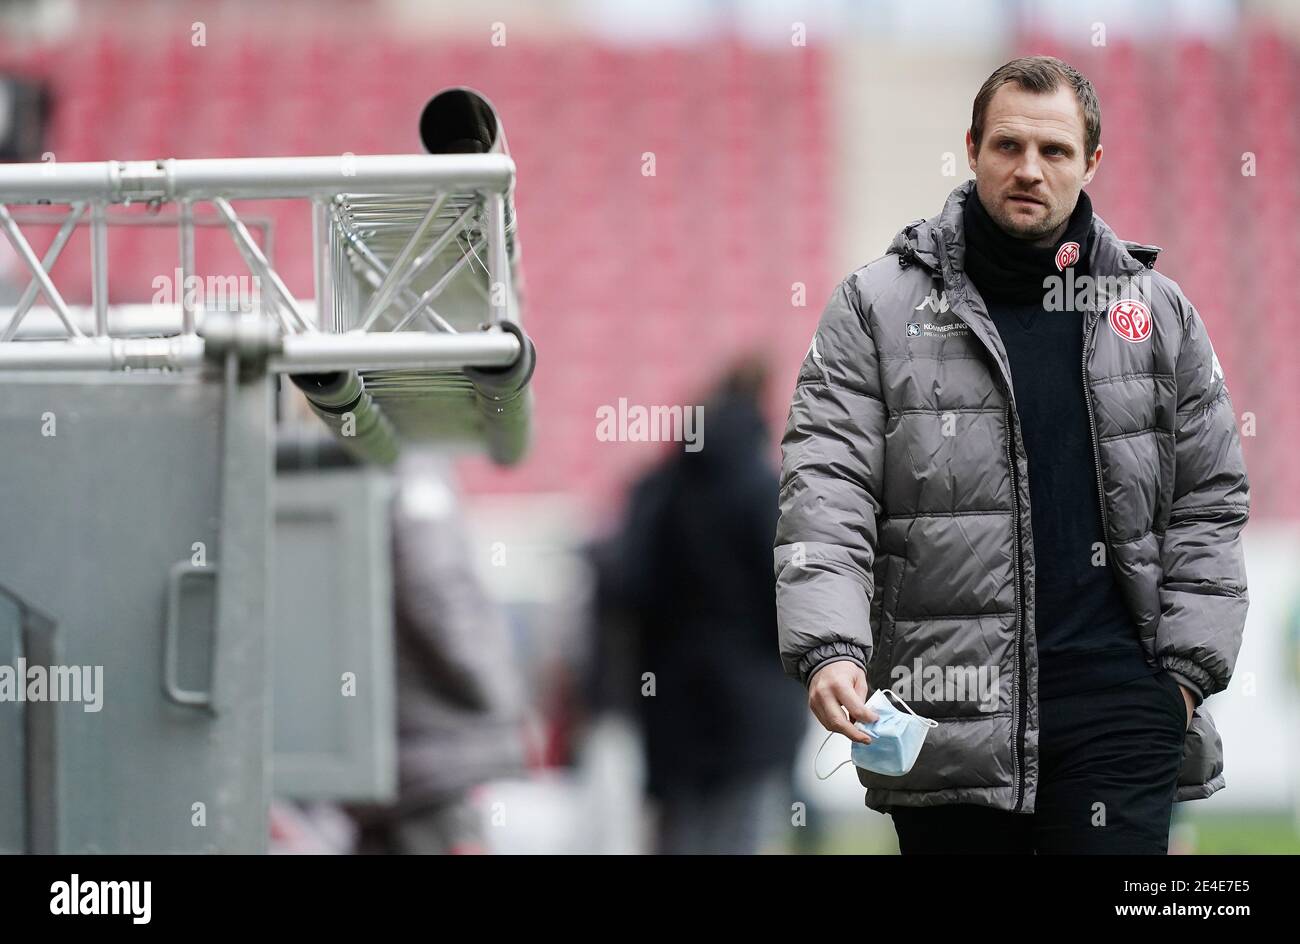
(1108, 762)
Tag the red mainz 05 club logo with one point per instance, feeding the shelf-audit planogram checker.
(1130, 319)
(1067, 256)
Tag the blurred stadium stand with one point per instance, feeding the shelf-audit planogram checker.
(641, 283)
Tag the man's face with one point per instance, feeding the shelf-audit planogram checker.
(1031, 164)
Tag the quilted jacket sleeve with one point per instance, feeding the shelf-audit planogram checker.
(1203, 597)
(831, 482)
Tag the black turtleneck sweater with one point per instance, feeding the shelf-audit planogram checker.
(1086, 637)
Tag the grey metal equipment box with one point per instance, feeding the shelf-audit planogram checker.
(116, 536)
(332, 636)
(137, 500)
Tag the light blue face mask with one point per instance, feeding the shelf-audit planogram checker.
(896, 735)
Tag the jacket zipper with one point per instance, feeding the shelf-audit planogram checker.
(1017, 714)
(1092, 432)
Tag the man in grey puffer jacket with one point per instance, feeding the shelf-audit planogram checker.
(905, 550)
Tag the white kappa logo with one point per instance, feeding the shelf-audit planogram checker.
(936, 301)
(817, 358)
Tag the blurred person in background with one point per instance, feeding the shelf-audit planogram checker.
(693, 572)
(459, 690)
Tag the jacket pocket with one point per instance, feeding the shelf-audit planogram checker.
(1170, 684)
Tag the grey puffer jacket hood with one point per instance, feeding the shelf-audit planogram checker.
(905, 541)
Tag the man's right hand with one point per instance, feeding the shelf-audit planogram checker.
(836, 684)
